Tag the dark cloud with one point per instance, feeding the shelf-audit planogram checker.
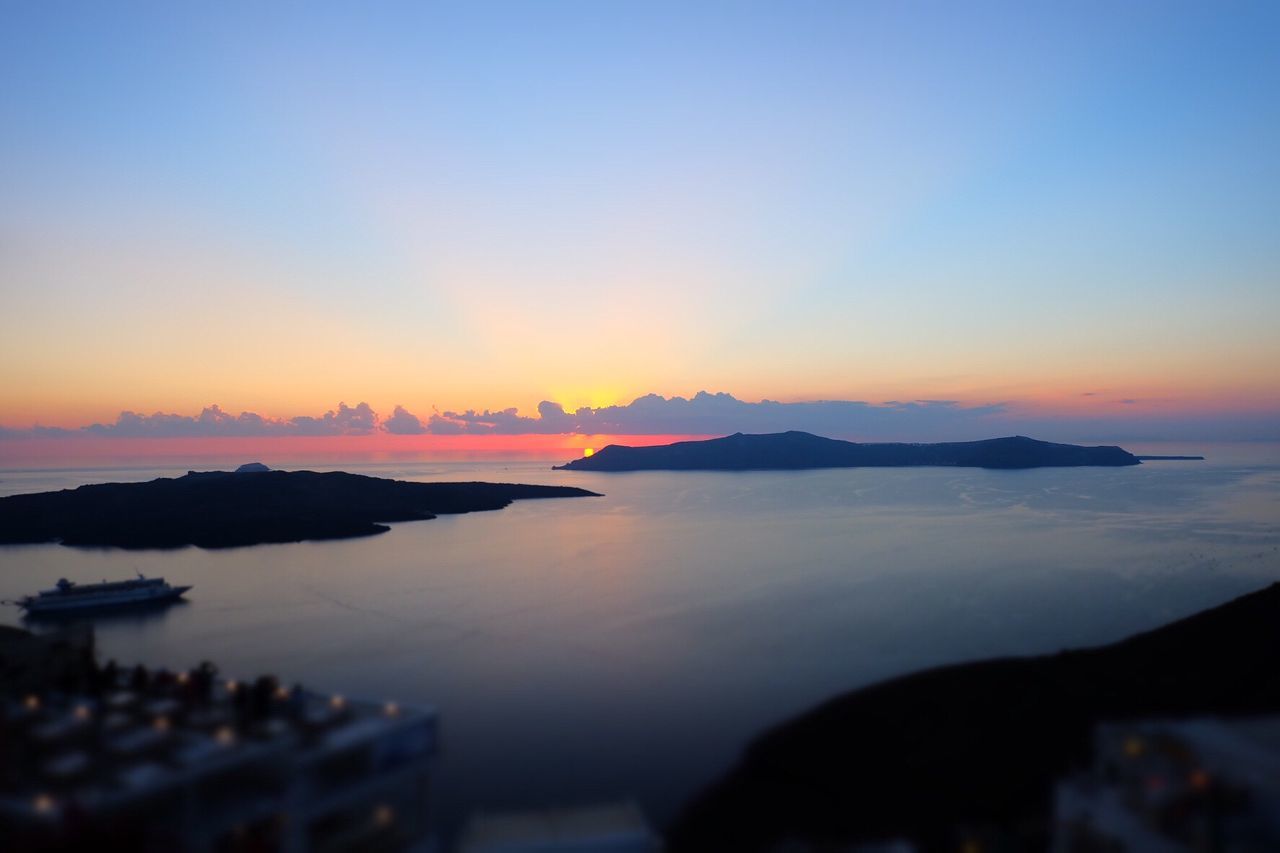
(37, 432)
(716, 414)
(358, 420)
(402, 422)
(505, 422)
(702, 414)
(894, 420)
(213, 422)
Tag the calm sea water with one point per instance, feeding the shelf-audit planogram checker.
(589, 649)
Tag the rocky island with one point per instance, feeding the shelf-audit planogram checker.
(802, 450)
(255, 505)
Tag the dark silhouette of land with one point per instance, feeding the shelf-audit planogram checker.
(800, 450)
(1146, 458)
(978, 746)
(221, 510)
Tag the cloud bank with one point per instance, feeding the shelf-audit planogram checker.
(213, 422)
(702, 414)
(404, 423)
(713, 414)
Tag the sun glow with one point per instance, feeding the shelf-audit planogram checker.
(590, 451)
(595, 397)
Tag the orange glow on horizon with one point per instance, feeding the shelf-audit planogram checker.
(294, 451)
(55, 404)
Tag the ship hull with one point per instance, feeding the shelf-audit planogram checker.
(140, 598)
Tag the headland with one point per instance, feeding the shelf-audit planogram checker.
(219, 509)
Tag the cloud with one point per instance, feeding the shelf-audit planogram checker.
(36, 432)
(715, 414)
(213, 422)
(702, 414)
(893, 420)
(505, 422)
(360, 420)
(403, 422)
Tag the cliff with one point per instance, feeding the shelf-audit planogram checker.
(980, 744)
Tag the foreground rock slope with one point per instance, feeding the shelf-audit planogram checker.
(978, 746)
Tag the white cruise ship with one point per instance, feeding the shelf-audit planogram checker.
(67, 596)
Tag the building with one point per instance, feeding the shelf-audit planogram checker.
(606, 828)
(154, 760)
(1200, 785)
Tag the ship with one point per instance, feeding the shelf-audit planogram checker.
(69, 597)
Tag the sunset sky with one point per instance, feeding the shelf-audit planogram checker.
(1038, 213)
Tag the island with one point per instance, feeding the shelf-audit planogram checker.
(928, 756)
(218, 509)
(801, 450)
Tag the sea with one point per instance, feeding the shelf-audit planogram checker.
(629, 646)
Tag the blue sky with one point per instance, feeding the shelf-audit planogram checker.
(487, 205)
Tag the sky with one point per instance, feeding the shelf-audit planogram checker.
(939, 219)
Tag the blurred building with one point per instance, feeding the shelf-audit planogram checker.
(1200, 785)
(139, 759)
(607, 828)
